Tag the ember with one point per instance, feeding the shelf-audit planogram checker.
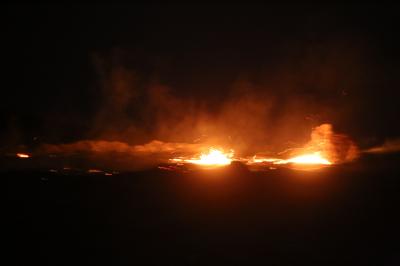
(94, 171)
(23, 155)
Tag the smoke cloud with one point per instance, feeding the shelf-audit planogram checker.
(338, 148)
(389, 146)
(138, 116)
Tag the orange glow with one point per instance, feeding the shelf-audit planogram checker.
(216, 157)
(23, 155)
(94, 171)
(311, 158)
(213, 157)
(256, 159)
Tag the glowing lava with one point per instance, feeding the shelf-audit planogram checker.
(311, 158)
(23, 155)
(214, 157)
(306, 159)
(256, 159)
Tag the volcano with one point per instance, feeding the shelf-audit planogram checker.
(200, 134)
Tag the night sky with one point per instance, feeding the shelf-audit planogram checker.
(343, 58)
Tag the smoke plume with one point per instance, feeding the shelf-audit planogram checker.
(139, 116)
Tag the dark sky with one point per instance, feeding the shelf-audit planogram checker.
(50, 83)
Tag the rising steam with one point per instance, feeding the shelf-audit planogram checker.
(389, 146)
(139, 119)
(325, 147)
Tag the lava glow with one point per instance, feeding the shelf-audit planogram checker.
(23, 155)
(312, 158)
(324, 148)
(214, 157)
(256, 159)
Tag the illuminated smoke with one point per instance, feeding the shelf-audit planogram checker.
(338, 148)
(389, 146)
(102, 146)
(140, 118)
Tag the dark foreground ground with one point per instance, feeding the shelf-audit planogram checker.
(346, 215)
